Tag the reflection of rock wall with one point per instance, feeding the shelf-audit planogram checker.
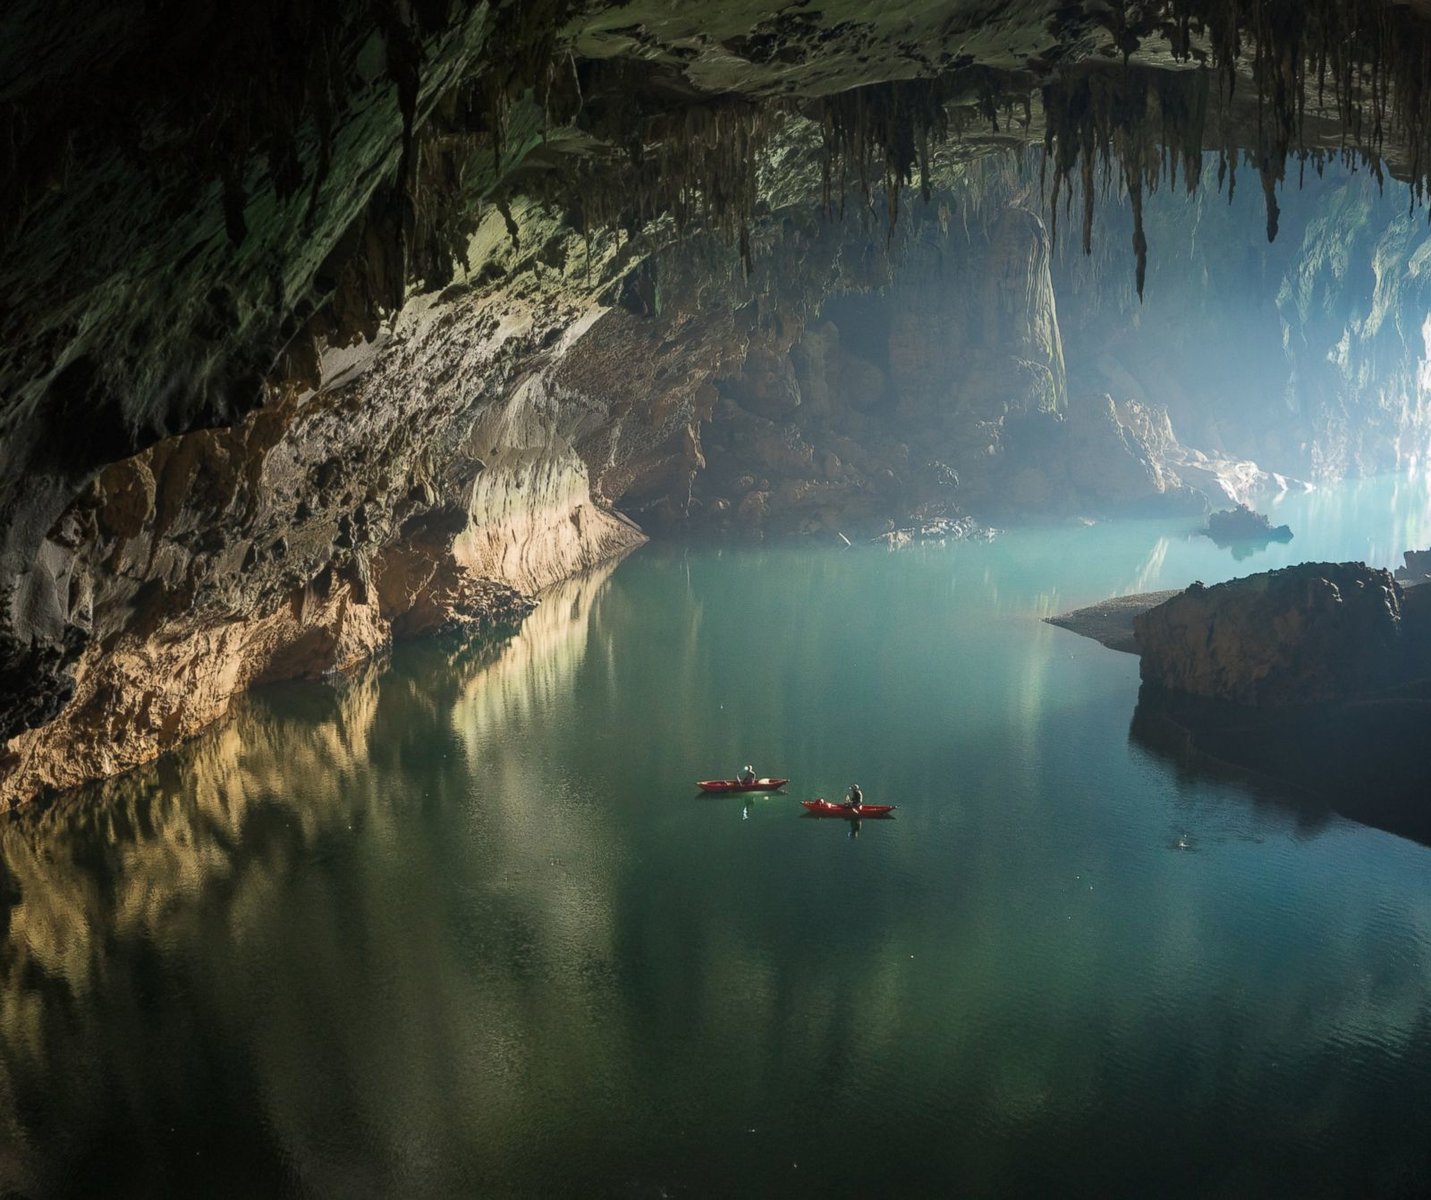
(215, 862)
(1364, 759)
(538, 663)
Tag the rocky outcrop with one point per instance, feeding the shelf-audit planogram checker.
(430, 482)
(1111, 621)
(1314, 632)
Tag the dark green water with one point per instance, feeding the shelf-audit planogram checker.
(462, 929)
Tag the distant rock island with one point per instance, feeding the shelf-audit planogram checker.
(1241, 525)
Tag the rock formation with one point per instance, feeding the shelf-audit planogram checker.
(1241, 525)
(1306, 355)
(1417, 568)
(1314, 632)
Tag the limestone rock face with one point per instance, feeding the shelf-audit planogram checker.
(1313, 632)
(874, 414)
(1306, 355)
(430, 482)
(978, 333)
(1100, 455)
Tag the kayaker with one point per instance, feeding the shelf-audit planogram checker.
(747, 776)
(854, 797)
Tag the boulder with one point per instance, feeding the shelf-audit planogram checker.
(1313, 632)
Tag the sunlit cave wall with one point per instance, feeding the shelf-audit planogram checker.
(976, 361)
(1308, 353)
(928, 385)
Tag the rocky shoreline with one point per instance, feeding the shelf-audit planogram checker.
(1111, 621)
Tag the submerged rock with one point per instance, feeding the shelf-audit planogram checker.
(1313, 632)
(937, 531)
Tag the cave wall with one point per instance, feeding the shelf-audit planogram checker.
(429, 481)
(930, 389)
(864, 415)
(435, 470)
(1307, 354)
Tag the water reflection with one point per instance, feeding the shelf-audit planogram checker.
(1364, 759)
(1244, 548)
(459, 928)
(228, 958)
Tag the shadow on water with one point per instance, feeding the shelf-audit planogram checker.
(1366, 760)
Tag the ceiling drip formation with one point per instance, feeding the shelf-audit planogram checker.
(1259, 82)
(282, 119)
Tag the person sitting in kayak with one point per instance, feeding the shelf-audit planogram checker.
(854, 797)
(747, 776)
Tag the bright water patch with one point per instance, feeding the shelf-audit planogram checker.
(464, 928)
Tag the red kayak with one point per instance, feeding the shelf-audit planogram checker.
(823, 808)
(735, 785)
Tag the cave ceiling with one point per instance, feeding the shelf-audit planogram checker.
(189, 185)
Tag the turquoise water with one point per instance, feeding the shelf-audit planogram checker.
(462, 928)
